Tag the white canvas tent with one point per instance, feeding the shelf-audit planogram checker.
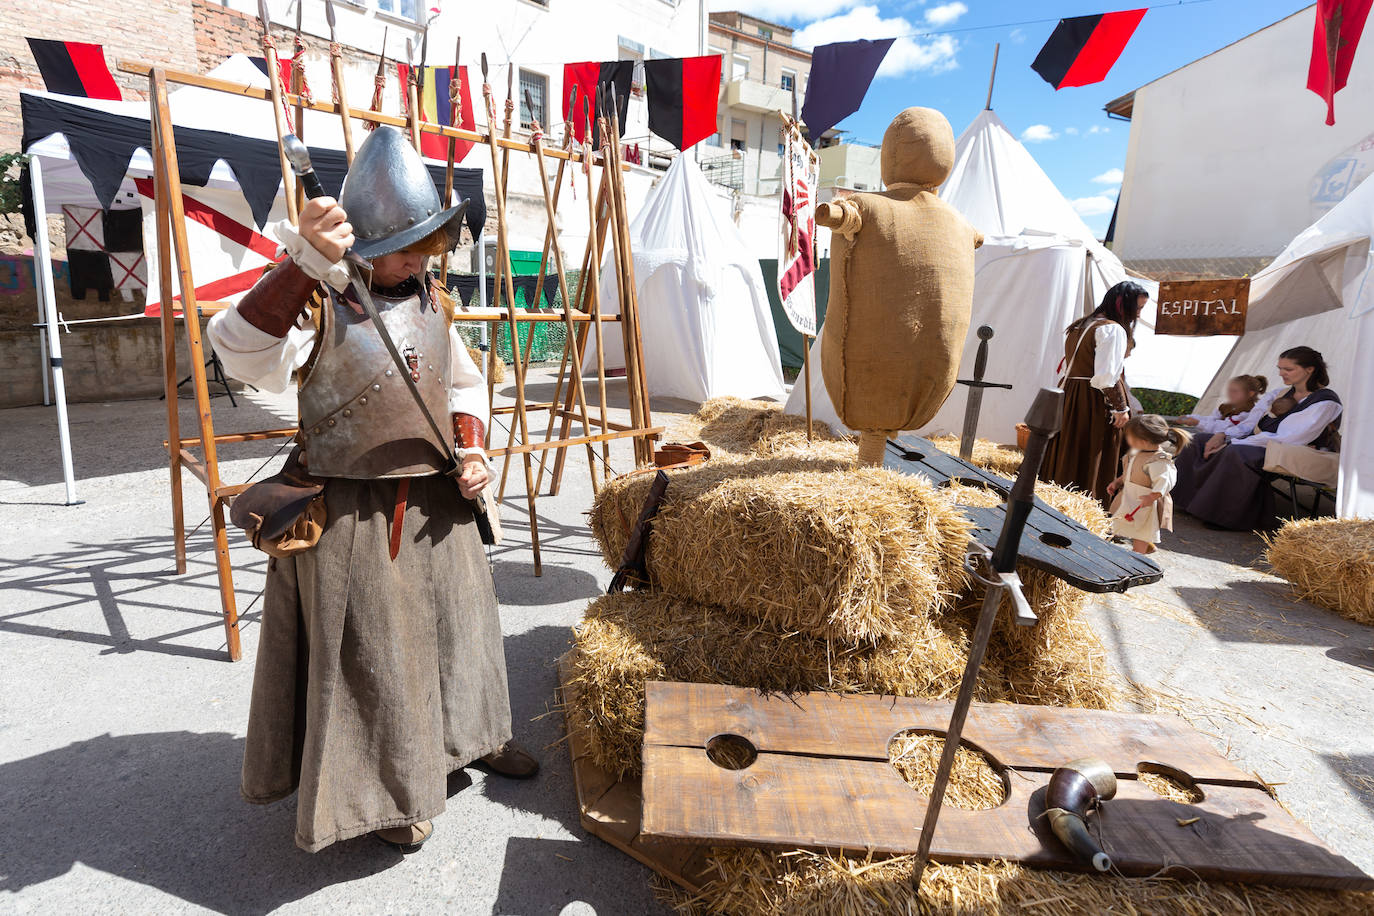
(1319, 292)
(1040, 268)
(707, 328)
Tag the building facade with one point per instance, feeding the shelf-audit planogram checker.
(1230, 156)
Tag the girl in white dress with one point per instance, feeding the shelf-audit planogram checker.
(1141, 506)
(1242, 393)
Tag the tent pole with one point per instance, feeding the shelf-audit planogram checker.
(42, 271)
(806, 371)
(992, 78)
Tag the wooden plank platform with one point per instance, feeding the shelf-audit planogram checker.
(1052, 541)
(822, 779)
(610, 810)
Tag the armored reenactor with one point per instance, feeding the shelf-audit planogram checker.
(380, 666)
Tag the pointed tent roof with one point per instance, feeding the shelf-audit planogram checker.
(706, 323)
(997, 184)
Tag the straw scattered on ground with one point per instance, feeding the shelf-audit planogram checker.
(974, 784)
(1330, 562)
(629, 638)
(845, 553)
(805, 883)
(736, 426)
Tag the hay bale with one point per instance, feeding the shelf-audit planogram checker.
(815, 547)
(627, 639)
(807, 883)
(734, 426)
(1004, 460)
(1330, 562)
(498, 374)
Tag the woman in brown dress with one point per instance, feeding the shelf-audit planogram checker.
(1096, 400)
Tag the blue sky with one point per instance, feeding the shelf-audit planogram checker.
(1067, 131)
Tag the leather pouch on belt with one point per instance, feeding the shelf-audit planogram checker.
(283, 514)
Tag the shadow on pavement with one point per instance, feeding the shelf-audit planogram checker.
(143, 603)
(162, 809)
(550, 877)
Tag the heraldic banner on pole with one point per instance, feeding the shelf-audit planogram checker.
(797, 257)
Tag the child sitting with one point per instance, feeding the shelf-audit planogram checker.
(1141, 505)
(1282, 406)
(1242, 393)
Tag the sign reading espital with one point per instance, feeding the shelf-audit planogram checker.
(1202, 308)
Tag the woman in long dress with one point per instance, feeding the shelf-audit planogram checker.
(1221, 480)
(1096, 400)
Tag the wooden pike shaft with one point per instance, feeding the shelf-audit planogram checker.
(634, 347)
(550, 207)
(586, 293)
(503, 248)
(269, 53)
(413, 116)
(455, 107)
(298, 84)
(336, 65)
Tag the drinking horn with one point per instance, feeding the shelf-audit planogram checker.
(1074, 790)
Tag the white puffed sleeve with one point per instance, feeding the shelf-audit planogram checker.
(1110, 357)
(251, 355)
(467, 391)
(1299, 428)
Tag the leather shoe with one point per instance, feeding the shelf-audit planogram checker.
(511, 760)
(407, 838)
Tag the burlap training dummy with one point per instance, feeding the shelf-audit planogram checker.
(901, 288)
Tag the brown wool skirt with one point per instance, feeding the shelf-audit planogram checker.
(1086, 455)
(376, 678)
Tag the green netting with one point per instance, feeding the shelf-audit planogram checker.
(549, 336)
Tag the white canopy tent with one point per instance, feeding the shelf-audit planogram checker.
(707, 328)
(1039, 269)
(1319, 292)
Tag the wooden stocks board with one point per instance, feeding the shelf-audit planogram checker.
(1202, 308)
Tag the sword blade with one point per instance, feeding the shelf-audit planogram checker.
(969, 434)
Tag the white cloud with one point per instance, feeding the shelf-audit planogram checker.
(936, 54)
(1038, 133)
(1071, 131)
(1017, 36)
(784, 10)
(945, 14)
(1094, 206)
(1111, 177)
(1099, 129)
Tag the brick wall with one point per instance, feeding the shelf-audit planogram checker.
(156, 31)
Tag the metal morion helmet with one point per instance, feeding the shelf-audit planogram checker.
(390, 197)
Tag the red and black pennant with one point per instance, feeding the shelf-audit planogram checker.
(592, 78)
(1340, 24)
(683, 93)
(1082, 50)
(74, 68)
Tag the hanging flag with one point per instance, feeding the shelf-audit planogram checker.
(840, 75)
(588, 77)
(683, 92)
(283, 66)
(1082, 50)
(436, 108)
(74, 68)
(1337, 34)
(797, 254)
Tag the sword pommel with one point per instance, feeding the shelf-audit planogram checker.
(985, 332)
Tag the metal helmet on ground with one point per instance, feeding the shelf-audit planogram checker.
(390, 197)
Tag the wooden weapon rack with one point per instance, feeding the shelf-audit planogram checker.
(581, 315)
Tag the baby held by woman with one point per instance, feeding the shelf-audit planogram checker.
(1141, 506)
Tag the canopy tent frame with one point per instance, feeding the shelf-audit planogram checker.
(170, 225)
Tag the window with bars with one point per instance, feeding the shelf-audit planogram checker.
(537, 85)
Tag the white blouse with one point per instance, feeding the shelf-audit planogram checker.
(1216, 423)
(1297, 428)
(1110, 358)
(252, 355)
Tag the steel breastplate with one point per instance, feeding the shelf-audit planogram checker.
(358, 417)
